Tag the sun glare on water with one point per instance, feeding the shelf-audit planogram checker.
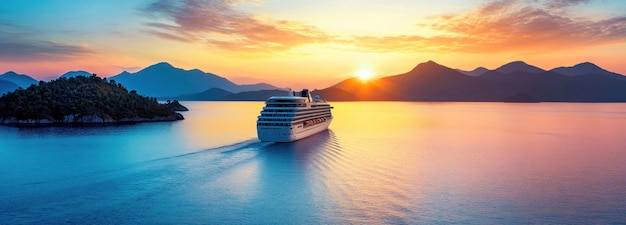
(364, 74)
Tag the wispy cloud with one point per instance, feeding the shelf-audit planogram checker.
(495, 26)
(564, 3)
(507, 25)
(15, 50)
(16, 47)
(218, 24)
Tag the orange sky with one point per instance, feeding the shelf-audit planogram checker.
(310, 44)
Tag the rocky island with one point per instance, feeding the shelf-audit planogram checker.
(81, 100)
(176, 105)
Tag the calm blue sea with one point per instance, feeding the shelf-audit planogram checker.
(380, 163)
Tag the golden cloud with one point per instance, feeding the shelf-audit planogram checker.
(218, 24)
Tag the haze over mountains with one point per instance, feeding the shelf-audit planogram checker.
(429, 81)
(20, 80)
(10, 81)
(6, 86)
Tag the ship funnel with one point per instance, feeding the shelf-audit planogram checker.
(305, 93)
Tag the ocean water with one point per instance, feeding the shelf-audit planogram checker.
(379, 163)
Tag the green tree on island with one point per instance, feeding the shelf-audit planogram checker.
(77, 97)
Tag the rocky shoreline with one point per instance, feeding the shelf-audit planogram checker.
(176, 106)
(87, 119)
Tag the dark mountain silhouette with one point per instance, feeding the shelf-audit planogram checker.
(335, 93)
(476, 72)
(428, 81)
(212, 94)
(261, 95)
(585, 68)
(518, 66)
(433, 82)
(355, 89)
(7, 86)
(76, 74)
(521, 97)
(21, 80)
(255, 87)
(217, 94)
(162, 79)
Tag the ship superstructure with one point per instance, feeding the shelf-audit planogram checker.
(293, 117)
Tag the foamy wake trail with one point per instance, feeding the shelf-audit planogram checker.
(231, 148)
(205, 156)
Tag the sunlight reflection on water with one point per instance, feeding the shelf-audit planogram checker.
(380, 163)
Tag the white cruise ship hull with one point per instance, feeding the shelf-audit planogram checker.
(289, 134)
(291, 118)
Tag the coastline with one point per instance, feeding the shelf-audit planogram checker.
(88, 119)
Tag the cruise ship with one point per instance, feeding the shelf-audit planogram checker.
(293, 117)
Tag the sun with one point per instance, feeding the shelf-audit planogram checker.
(364, 74)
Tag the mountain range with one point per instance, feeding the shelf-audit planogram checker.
(218, 94)
(163, 80)
(428, 81)
(20, 80)
(158, 80)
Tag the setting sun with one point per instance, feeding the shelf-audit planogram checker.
(364, 74)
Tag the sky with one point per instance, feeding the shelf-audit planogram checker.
(312, 44)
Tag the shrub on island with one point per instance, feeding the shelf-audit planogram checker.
(78, 100)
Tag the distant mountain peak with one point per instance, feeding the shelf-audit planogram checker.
(76, 73)
(13, 74)
(429, 81)
(476, 72)
(122, 75)
(587, 65)
(160, 66)
(519, 66)
(429, 65)
(21, 80)
(196, 71)
(164, 80)
(584, 68)
(163, 64)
